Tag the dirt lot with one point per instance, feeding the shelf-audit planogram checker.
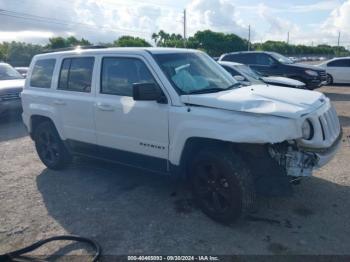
(129, 211)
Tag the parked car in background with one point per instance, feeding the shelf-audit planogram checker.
(293, 59)
(247, 76)
(338, 70)
(178, 112)
(22, 70)
(11, 85)
(274, 64)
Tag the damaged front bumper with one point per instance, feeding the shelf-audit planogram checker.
(299, 161)
(326, 155)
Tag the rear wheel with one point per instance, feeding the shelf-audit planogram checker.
(50, 147)
(222, 185)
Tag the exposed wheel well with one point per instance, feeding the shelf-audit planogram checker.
(195, 144)
(35, 120)
(269, 176)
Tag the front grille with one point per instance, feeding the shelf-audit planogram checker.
(329, 124)
(9, 96)
(323, 75)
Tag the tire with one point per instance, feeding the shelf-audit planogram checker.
(329, 79)
(222, 185)
(50, 148)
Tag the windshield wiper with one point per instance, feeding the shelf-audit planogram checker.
(207, 90)
(233, 86)
(214, 89)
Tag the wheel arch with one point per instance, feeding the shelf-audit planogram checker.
(195, 144)
(331, 78)
(36, 120)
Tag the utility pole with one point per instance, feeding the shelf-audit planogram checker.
(185, 27)
(249, 38)
(288, 38)
(338, 42)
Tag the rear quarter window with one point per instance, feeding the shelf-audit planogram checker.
(42, 73)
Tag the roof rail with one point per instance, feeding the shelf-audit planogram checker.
(74, 48)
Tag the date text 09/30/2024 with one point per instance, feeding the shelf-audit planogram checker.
(173, 258)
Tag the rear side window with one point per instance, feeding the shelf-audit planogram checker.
(42, 73)
(76, 74)
(119, 74)
(339, 63)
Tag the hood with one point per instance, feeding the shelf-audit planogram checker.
(305, 66)
(12, 84)
(261, 99)
(282, 80)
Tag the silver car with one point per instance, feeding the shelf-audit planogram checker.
(11, 85)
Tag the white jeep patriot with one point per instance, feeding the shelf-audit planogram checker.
(177, 111)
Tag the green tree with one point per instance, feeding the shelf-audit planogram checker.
(71, 41)
(131, 41)
(287, 49)
(164, 39)
(18, 53)
(215, 43)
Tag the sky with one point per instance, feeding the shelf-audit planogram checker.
(307, 21)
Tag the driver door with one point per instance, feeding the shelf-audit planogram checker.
(128, 131)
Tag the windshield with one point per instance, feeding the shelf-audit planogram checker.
(282, 59)
(248, 73)
(195, 73)
(7, 72)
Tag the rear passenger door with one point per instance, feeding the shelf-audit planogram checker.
(129, 131)
(74, 100)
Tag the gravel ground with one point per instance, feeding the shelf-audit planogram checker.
(129, 211)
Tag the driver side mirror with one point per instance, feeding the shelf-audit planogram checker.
(239, 78)
(148, 92)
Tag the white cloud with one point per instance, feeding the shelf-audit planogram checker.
(325, 32)
(101, 21)
(285, 7)
(26, 36)
(339, 20)
(278, 27)
(106, 20)
(218, 15)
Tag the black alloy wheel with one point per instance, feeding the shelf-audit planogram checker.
(50, 147)
(222, 185)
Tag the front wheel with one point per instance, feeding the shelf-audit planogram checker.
(329, 79)
(51, 150)
(222, 185)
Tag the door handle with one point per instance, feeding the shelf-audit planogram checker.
(59, 102)
(105, 107)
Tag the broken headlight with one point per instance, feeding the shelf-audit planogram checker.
(307, 130)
